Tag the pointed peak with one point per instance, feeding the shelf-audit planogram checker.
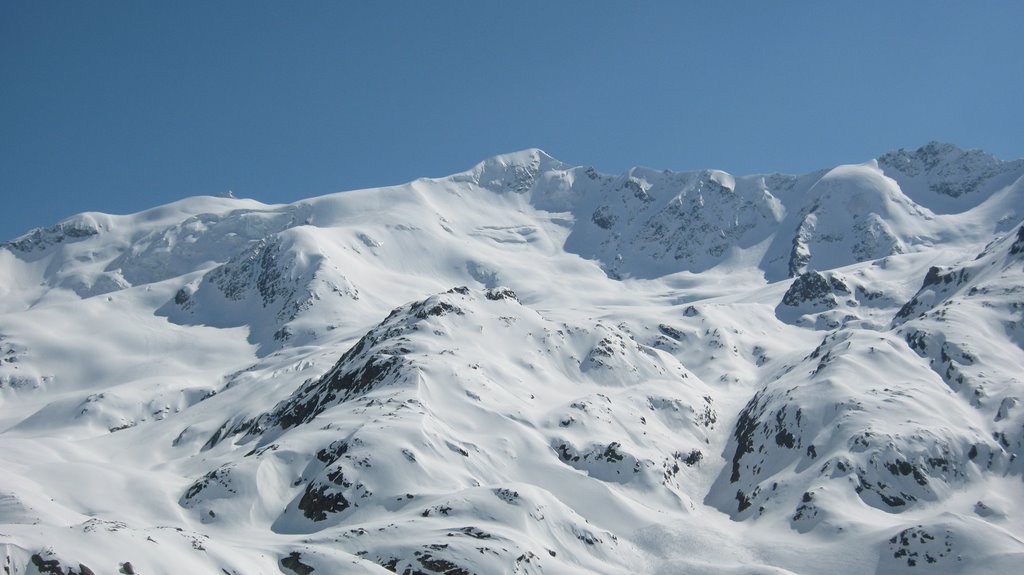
(530, 157)
(516, 171)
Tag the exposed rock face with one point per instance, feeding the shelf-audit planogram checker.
(946, 171)
(815, 291)
(791, 440)
(40, 239)
(275, 274)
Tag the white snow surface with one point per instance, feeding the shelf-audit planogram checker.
(527, 367)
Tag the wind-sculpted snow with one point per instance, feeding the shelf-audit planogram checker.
(203, 238)
(423, 378)
(854, 214)
(652, 372)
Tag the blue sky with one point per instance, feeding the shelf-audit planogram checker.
(120, 106)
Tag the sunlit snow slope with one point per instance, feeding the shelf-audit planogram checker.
(527, 367)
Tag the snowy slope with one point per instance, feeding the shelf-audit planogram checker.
(527, 367)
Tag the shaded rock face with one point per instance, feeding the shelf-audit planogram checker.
(1018, 243)
(948, 170)
(943, 286)
(937, 286)
(316, 502)
(46, 566)
(815, 291)
(647, 223)
(868, 237)
(814, 294)
(272, 276)
(293, 562)
(929, 157)
(500, 293)
(707, 218)
(267, 286)
(813, 430)
(358, 371)
(513, 173)
(827, 300)
(377, 359)
(890, 477)
(255, 268)
(982, 371)
(604, 218)
(40, 239)
(218, 483)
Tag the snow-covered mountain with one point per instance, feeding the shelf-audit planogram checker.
(527, 367)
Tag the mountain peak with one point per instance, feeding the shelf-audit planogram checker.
(526, 157)
(515, 172)
(934, 155)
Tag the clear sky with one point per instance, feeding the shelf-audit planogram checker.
(120, 106)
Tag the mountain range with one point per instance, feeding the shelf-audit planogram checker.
(528, 367)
